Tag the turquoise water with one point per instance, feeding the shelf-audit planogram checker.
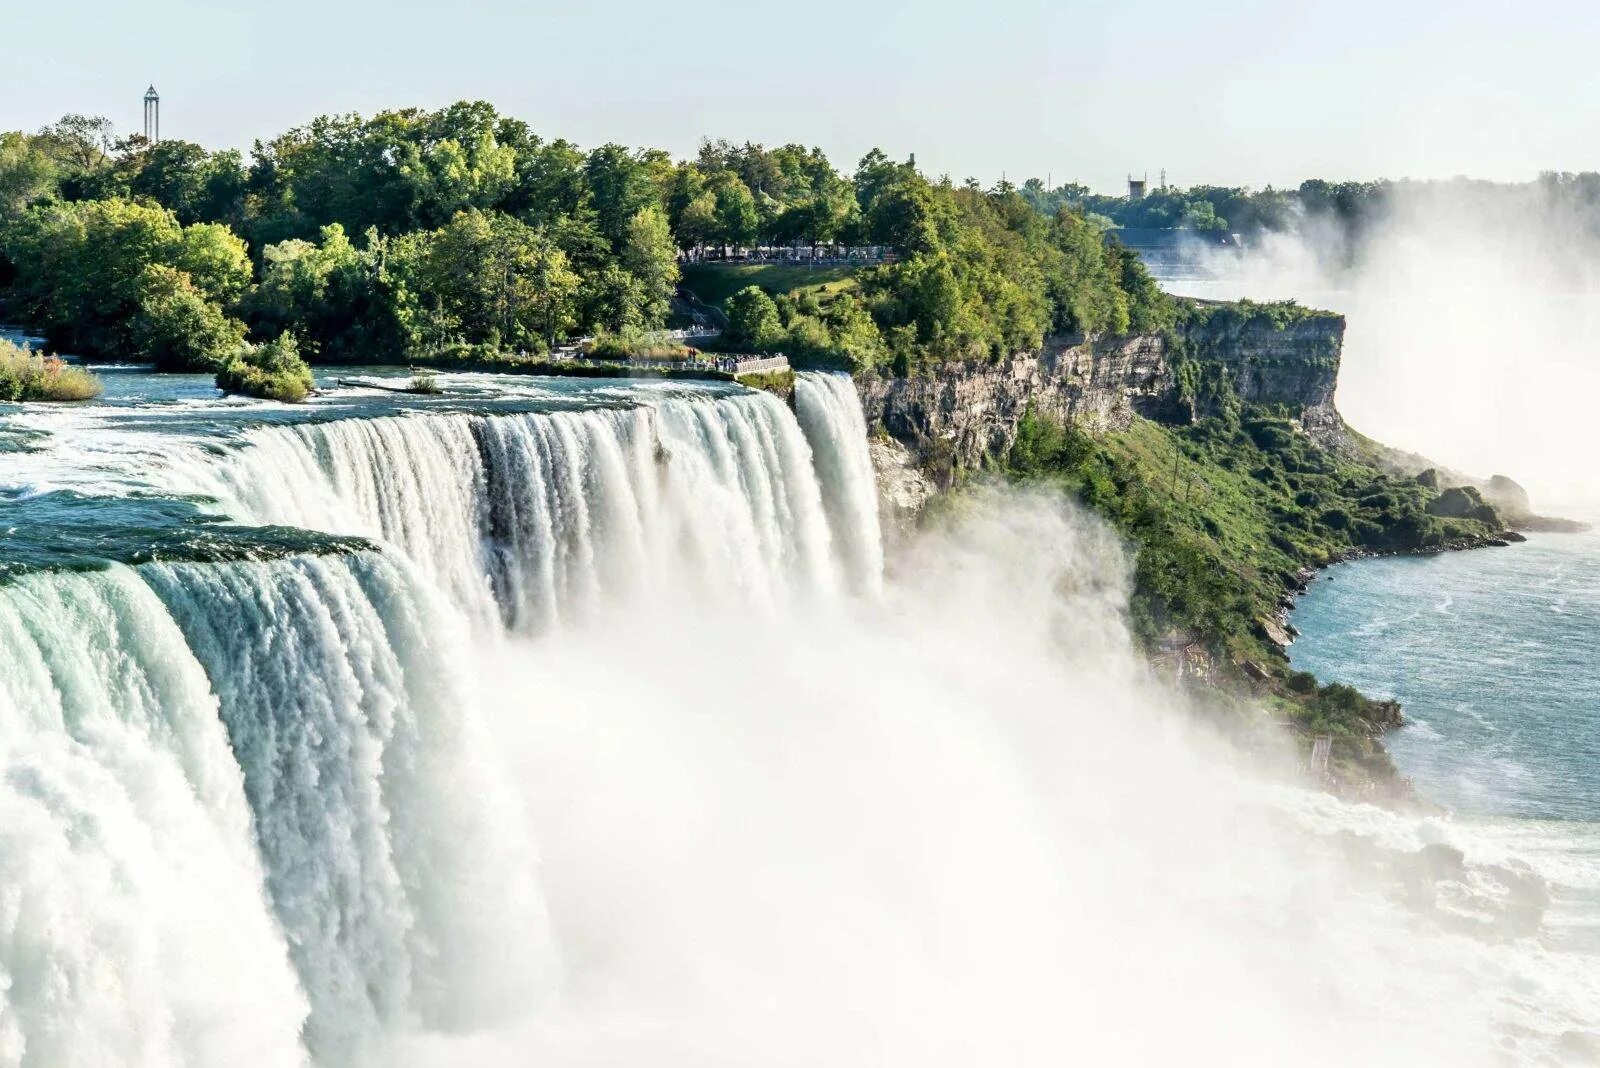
(1493, 655)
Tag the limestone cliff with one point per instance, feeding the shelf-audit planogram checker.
(1270, 356)
(963, 417)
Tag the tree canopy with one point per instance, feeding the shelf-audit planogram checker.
(411, 232)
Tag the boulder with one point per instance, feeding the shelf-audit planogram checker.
(1463, 502)
(1507, 496)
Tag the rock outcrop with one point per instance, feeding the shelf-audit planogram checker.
(1463, 502)
(1294, 363)
(963, 416)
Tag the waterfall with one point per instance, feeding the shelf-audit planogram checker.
(830, 413)
(279, 805)
(248, 812)
(538, 519)
(229, 770)
(134, 922)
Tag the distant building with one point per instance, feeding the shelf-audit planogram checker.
(152, 115)
(1136, 187)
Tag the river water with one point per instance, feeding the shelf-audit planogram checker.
(1492, 654)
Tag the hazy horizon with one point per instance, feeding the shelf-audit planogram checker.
(1070, 91)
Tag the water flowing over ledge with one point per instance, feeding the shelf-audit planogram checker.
(536, 519)
(247, 813)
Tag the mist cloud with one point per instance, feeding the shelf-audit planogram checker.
(1473, 326)
(962, 826)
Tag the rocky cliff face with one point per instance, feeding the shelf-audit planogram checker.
(963, 417)
(1294, 363)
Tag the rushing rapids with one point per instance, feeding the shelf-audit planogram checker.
(581, 726)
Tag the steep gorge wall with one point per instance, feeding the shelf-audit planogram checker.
(1270, 361)
(963, 416)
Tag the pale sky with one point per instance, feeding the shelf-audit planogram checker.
(1252, 92)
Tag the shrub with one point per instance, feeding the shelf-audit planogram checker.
(26, 375)
(638, 345)
(1302, 682)
(424, 382)
(753, 321)
(273, 371)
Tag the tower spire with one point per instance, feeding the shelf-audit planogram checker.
(152, 115)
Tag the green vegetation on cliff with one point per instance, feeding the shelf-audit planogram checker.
(1224, 515)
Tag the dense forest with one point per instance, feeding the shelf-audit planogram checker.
(415, 235)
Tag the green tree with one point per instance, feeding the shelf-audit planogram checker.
(216, 259)
(195, 185)
(738, 219)
(27, 174)
(698, 225)
(492, 280)
(621, 185)
(83, 268)
(615, 301)
(79, 144)
(753, 322)
(178, 329)
(649, 254)
(337, 299)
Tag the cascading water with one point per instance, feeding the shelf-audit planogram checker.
(535, 519)
(830, 413)
(282, 807)
(134, 923)
(404, 894)
(374, 854)
(263, 786)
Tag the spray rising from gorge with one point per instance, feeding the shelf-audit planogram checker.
(1474, 325)
(631, 747)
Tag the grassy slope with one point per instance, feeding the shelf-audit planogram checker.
(1223, 516)
(714, 283)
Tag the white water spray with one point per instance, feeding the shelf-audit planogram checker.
(134, 925)
(951, 824)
